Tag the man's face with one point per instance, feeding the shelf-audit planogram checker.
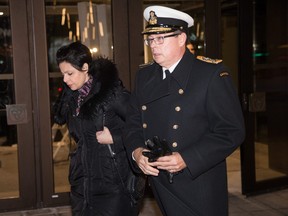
(167, 50)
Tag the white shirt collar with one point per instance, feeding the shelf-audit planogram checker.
(171, 69)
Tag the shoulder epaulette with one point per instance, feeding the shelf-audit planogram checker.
(146, 64)
(209, 60)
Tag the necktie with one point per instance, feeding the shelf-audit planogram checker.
(167, 73)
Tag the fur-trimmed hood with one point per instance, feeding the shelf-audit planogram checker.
(106, 87)
(105, 73)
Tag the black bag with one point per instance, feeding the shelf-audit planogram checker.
(135, 184)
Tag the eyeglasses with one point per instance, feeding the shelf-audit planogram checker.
(158, 40)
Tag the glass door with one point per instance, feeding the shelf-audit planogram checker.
(269, 100)
(90, 23)
(264, 57)
(16, 120)
(8, 132)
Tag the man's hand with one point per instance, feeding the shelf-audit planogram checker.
(143, 163)
(172, 163)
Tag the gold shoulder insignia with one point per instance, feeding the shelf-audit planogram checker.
(209, 60)
(146, 64)
(224, 74)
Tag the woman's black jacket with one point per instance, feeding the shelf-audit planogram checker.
(91, 168)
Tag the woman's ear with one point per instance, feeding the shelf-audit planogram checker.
(85, 67)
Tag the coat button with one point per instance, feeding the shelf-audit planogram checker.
(178, 108)
(175, 126)
(181, 91)
(174, 144)
(144, 107)
(144, 125)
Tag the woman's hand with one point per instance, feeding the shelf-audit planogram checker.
(104, 136)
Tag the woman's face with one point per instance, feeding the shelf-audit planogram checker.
(74, 78)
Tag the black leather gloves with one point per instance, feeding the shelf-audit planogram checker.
(157, 147)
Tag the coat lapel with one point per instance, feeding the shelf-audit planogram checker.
(183, 70)
(156, 87)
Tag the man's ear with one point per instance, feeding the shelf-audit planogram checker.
(183, 38)
(85, 67)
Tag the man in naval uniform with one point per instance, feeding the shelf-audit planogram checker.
(195, 108)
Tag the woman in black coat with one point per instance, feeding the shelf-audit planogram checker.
(93, 105)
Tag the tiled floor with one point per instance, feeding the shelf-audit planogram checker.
(270, 204)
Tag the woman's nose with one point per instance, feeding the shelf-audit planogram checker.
(65, 78)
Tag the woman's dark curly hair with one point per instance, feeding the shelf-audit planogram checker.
(75, 53)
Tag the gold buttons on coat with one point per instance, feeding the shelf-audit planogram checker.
(144, 108)
(178, 108)
(174, 144)
(181, 91)
(175, 126)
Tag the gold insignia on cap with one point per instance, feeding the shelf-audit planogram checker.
(156, 29)
(209, 60)
(224, 74)
(152, 18)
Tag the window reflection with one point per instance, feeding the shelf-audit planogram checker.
(85, 21)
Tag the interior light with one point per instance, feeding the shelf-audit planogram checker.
(77, 30)
(94, 50)
(63, 16)
(91, 12)
(101, 29)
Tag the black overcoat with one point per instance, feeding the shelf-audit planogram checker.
(199, 114)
